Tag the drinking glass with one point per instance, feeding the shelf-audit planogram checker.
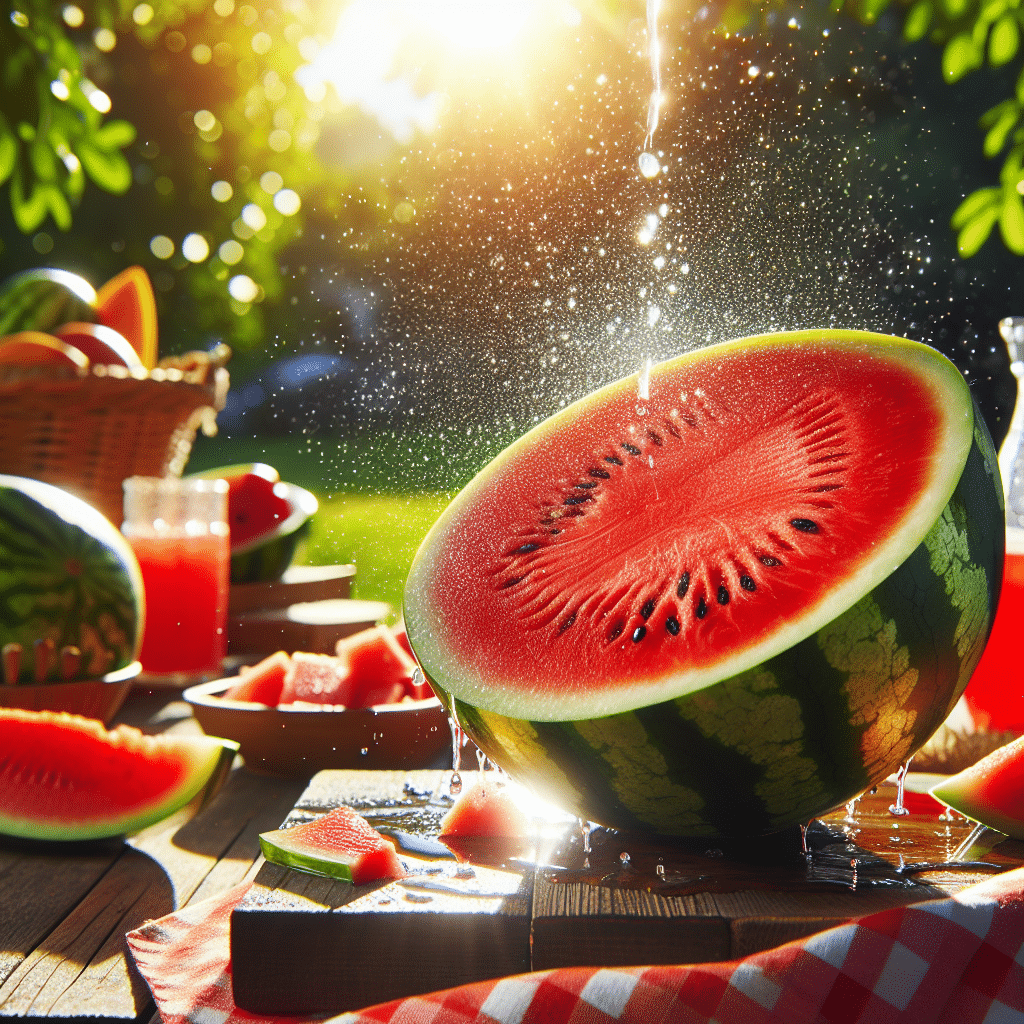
(178, 529)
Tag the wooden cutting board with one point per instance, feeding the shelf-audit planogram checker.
(305, 944)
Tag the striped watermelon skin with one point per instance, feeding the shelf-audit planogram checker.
(802, 733)
(66, 575)
(42, 299)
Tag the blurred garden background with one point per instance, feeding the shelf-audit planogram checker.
(422, 226)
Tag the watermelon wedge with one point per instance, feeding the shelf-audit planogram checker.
(340, 844)
(991, 791)
(66, 777)
(127, 304)
(262, 683)
(486, 808)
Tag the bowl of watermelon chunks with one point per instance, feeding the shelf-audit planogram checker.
(365, 706)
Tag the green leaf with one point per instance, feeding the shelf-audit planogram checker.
(955, 8)
(44, 160)
(960, 56)
(992, 10)
(919, 18)
(974, 233)
(109, 170)
(8, 150)
(1003, 43)
(1011, 221)
(974, 205)
(1020, 86)
(59, 207)
(1002, 125)
(29, 211)
(114, 135)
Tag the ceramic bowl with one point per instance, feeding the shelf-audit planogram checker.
(94, 698)
(300, 741)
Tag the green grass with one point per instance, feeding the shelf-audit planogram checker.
(378, 533)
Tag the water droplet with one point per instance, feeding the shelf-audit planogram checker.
(659, 870)
(649, 165)
(624, 859)
(455, 785)
(364, 751)
(897, 809)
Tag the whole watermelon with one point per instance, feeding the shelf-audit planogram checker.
(68, 576)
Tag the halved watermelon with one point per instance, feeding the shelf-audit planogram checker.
(991, 790)
(486, 808)
(340, 844)
(726, 596)
(66, 777)
(127, 304)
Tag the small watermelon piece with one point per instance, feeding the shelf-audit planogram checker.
(341, 844)
(377, 667)
(991, 791)
(127, 304)
(725, 596)
(262, 683)
(101, 344)
(254, 507)
(317, 679)
(66, 777)
(486, 808)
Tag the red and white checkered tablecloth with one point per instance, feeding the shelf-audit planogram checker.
(950, 961)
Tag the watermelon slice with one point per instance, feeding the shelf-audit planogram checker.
(127, 304)
(991, 790)
(726, 595)
(317, 679)
(486, 808)
(66, 777)
(377, 669)
(262, 683)
(340, 844)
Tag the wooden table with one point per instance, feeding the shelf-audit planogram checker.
(64, 910)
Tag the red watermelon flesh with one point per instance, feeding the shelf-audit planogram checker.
(990, 791)
(341, 844)
(317, 679)
(254, 507)
(379, 670)
(262, 683)
(66, 777)
(486, 808)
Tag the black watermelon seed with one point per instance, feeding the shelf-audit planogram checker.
(554, 532)
(656, 438)
(684, 585)
(616, 631)
(639, 633)
(512, 582)
(701, 610)
(747, 583)
(578, 499)
(586, 485)
(723, 595)
(567, 623)
(648, 609)
(613, 459)
(768, 560)
(631, 448)
(804, 525)
(526, 548)
(600, 474)
(672, 625)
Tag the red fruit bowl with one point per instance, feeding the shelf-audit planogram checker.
(300, 740)
(94, 698)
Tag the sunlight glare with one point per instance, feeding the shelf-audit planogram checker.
(360, 60)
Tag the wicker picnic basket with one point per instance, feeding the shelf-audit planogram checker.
(88, 433)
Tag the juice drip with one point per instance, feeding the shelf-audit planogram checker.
(649, 164)
(458, 738)
(897, 809)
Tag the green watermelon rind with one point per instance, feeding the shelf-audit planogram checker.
(97, 606)
(966, 791)
(291, 852)
(801, 732)
(205, 758)
(42, 299)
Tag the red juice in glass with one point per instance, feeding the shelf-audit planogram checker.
(995, 694)
(186, 584)
(179, 533)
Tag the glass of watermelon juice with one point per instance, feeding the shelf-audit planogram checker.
(178, 530)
